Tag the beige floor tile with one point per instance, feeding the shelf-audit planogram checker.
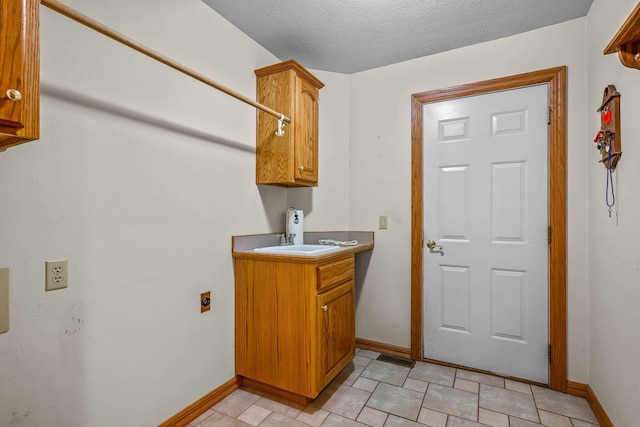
(431, 373)
(365, 384)
(312, 416)
(466, 385)
(347, 402)
(578, 423)
(280, 406)
(361, 361)
(367, 353)
(432, 418)
(563, 404)
(416, 385)
(508, 402)
(519, 422)
(334, 420)
(459, 422)
(278, 420)
(396, 400)
(480, 378)
(517, 386)
(236, 403)
(372, 417)
(348, 375)
(201, 418)
(254, 415)
(492, 419)
(218, 419)
(395, 421)
(553, 420)
(386, 372)
(460, 403)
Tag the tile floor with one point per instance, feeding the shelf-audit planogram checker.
(372, 393)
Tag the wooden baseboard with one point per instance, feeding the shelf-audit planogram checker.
(584, 390)
(577, 389)
(199, 407)
(391, 350)
(597, 408)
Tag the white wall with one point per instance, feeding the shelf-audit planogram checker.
(140, 178)
(614, 244)
(380, 169)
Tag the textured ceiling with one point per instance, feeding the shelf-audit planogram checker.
(348, 36)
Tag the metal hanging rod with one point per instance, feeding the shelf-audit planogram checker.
(112, 34)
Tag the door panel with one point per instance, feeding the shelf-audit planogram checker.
(485, 202)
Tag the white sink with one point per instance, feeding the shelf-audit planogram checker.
(298, 249)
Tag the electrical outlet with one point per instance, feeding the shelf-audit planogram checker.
(383, 222)
(205, 302)
(56, 275)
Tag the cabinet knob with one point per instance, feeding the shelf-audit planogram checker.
(325, 307)
(300, 168)
(14, 94)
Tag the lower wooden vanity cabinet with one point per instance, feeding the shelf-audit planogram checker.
(295, 321)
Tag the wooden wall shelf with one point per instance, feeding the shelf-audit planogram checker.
(627, 41)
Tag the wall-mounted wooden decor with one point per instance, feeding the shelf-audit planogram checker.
(608, 138)
(627, 41)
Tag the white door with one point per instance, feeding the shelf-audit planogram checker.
(486, 204)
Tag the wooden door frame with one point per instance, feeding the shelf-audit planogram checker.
(556, 78)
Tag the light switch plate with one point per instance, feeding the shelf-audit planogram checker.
(383, 222)
(4, 300)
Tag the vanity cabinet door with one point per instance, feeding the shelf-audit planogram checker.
(336, 334)
(19, 72)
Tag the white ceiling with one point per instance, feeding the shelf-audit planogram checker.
(348, 36)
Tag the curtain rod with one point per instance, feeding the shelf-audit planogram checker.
(112, 34)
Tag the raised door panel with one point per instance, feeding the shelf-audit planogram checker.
(274, 154)
(19, 65)
(306, 133)
(336, 320)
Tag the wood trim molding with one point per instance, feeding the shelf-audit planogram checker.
(597, 408)
(200, 406)
(391, 350)
(556, 79)
(577, 389)
(585, 391)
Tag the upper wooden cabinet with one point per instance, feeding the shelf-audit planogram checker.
(290, 160)
(20, 72)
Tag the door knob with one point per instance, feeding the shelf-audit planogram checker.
(431, 244)
(325, 307)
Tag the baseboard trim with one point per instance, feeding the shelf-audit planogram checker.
(577, 389)
(585, 390)
(597, 408)
(200, 406)
(391, 350)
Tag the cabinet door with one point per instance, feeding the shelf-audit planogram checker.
(306, 132)
(337, 332)
(19, 71)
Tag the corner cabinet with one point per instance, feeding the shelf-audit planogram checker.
(290, 160)
(295, 322)
(20, 72)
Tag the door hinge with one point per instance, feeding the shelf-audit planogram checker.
(549, 352)
(550, 114)
(549, 235)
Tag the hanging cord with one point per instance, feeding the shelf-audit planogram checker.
(609, 172)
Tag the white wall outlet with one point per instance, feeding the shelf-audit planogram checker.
(4, 300)
(383, 222)
(56, 275)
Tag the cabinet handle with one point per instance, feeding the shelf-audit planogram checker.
(300, 168)
(325, 307)
(14, 94)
